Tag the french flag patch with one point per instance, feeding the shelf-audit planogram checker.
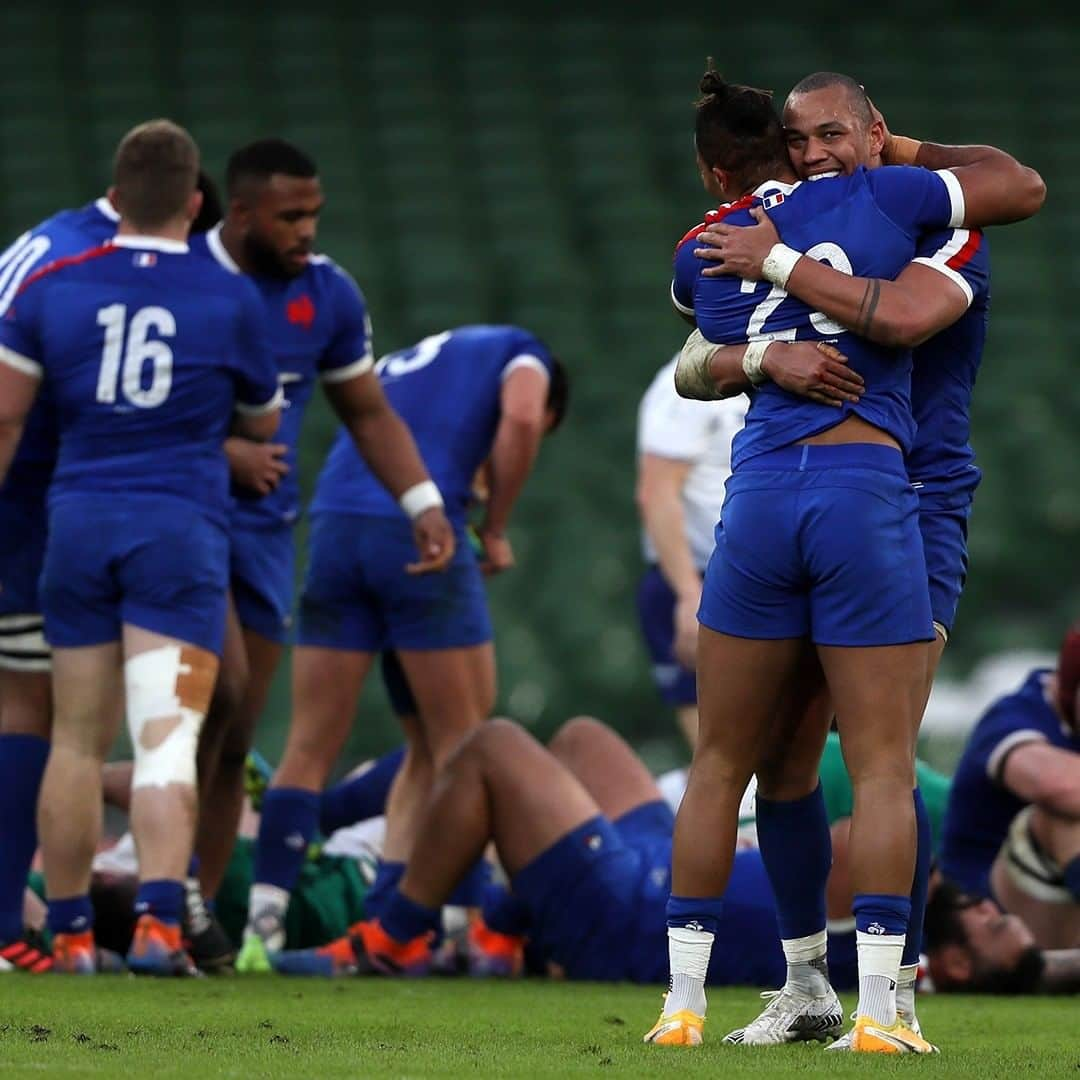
(772, 200)
(145, 258)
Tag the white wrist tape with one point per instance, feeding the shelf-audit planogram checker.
(779, 263)
(752, 360)
(419, 498)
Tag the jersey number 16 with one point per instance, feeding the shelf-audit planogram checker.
(123, 369)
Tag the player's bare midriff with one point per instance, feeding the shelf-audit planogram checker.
(854, 429)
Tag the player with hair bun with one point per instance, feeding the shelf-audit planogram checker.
(818, 504)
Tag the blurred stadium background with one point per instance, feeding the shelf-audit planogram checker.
(536, 168)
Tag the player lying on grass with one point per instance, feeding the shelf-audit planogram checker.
(971, 945)
(585, 838)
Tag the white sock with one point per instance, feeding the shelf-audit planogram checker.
(807, 970)
(267, 905)
(197, 912)
(905, 992)
(879, 970)
(688, 952)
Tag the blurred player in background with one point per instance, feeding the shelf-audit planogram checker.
(145, 354)
(684, 458)
(571, 901)
(25, 691)
(470, 394)
(319, 332)
(830, 125)
(1012, 830)
(584, 835)
(869, 644)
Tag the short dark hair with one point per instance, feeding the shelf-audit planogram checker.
(155, 171)
(558, 396)
(261, 159)
(736, 127)
(942, 926)
(210, 213)
(856, 92)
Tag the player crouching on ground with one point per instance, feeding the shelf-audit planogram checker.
(1012, 827)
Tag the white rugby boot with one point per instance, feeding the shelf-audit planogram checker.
(792, 1016)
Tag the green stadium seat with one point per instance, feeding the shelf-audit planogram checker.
(486, 165)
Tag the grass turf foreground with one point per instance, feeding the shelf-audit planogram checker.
(266, 1026)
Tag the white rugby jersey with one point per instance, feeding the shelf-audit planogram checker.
(698, 432)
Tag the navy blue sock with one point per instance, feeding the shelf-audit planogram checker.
(162, 898)
(881, 914)
(22, 765)
(360, 797)
(796, 848)
(470, 889)
(387, 877)
(403, 919)
(685, 911)
(290, 817)
(504, 912)
(920, 884)
(72, 915)
(1071, 873)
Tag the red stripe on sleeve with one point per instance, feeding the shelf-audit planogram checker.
(967, 252)
(68, 260)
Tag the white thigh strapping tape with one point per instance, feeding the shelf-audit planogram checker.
(164, 732)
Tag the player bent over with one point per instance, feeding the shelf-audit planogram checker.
(584, 835)
(146, 353)
(468, 395)
(1012, 828)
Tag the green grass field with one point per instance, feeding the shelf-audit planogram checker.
(375, 1027)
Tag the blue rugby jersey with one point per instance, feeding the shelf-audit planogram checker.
(318, 328)
(866, 224)
(944, 368)
(145, 350)
(447, 388)
(980, 807)
(65, 233)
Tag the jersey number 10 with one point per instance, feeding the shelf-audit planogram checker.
(122, 370)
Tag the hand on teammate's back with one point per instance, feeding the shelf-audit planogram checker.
(813, 370)
(738, 250)
(254, 465)
(498, 554)
(434, 541)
